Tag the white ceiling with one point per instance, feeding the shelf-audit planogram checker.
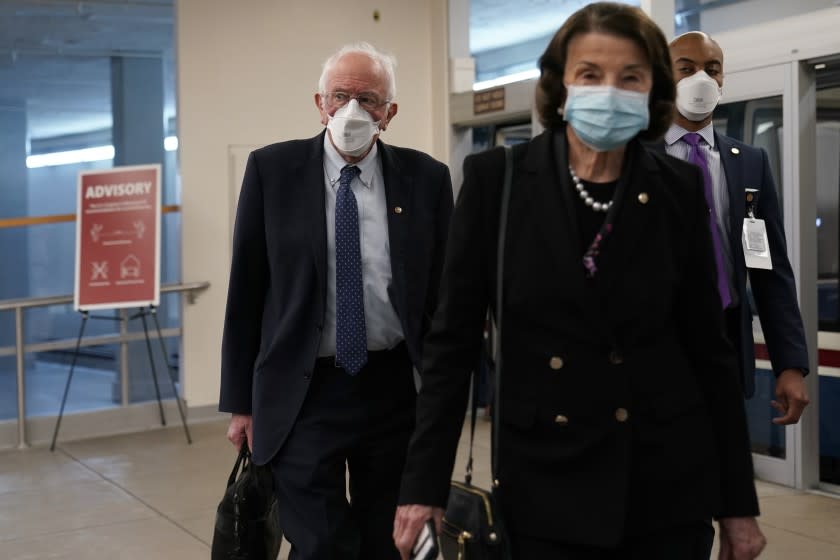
(500, 23)
(55, 58)
(55, 54)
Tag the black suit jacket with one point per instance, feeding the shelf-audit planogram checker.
(642, 425)
(278, 284)
(774, 291)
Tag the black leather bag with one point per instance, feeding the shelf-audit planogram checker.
(247, 520)
(472, 527)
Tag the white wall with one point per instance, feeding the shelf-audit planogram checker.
(247, 72)
(799, 37)
(752, 12)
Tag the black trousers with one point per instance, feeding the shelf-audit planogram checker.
(359, 425)
(686, 542)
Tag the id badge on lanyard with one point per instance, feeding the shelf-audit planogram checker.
(754, 237)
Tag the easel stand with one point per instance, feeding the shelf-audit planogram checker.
(142, 313)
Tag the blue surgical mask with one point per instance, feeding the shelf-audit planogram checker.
(605, 117)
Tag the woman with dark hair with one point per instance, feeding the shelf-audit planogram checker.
(622, 428)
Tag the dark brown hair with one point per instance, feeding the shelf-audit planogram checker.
(622, 21)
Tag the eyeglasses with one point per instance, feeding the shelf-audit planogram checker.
(367, 100)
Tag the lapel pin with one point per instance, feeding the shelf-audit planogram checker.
(736, 151)
(397, 209)
(643, 198)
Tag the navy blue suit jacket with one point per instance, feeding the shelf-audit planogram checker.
(278, 285)
(774, 290)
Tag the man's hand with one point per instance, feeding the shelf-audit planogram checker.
(240, 429)
(408, 522)
(740, 539)
(791, 397)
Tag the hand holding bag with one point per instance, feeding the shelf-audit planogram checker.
(247, 520)
(472, 527)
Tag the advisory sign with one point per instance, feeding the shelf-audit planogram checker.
(118, 238)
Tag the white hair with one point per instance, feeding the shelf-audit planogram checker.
(385, 61)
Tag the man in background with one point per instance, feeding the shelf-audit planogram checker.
(337, 253)
(739, 184)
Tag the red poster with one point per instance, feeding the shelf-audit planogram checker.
(118, 238)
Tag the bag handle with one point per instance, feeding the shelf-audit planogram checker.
(497, 367)
(241, 460)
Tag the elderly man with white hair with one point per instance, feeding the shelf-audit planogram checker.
(337, 253)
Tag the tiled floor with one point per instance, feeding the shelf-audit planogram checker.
(152, 496)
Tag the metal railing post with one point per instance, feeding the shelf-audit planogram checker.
(21, 379)
(124, 382)
(125, 336)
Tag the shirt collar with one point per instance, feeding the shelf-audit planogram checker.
(333, 164)
(676, 132)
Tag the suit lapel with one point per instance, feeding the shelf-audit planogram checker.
(399, 185)
(548, 195)
(637, 195)
(312, 175)
(730, 159)
(551, 202)
(657, 146)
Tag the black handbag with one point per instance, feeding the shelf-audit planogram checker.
(247, 520)
(472, 527)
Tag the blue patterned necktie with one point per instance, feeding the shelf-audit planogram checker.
(350, 333)
(697, 157)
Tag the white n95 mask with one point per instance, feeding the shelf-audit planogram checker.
(697, 96)
(352, 129)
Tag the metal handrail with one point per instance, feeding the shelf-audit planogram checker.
(191, 290)
(11, 304)
(28, 221)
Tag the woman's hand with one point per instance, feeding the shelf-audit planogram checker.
(740, 538)
(408, 522)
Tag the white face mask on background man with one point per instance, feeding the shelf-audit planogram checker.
(697, 96)
(352, 129)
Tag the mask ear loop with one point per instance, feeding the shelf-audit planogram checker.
(379, 122)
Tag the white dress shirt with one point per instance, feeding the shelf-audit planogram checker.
(381, 321)
(678, 149)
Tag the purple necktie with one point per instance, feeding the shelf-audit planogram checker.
(697, 157)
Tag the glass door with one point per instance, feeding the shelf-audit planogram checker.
(758, 122)
(828, 268)
(761, 107)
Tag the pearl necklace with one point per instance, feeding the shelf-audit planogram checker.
(584, 195)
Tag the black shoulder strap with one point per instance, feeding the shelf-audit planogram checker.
(500, 272)
(500, 253)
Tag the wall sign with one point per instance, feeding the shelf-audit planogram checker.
(489, 101)
(118, 238)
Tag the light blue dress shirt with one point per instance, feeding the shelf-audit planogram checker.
(381, 321)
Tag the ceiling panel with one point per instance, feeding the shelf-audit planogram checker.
(55, 58)
(499, 23)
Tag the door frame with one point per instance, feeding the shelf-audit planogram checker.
(795, 82)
